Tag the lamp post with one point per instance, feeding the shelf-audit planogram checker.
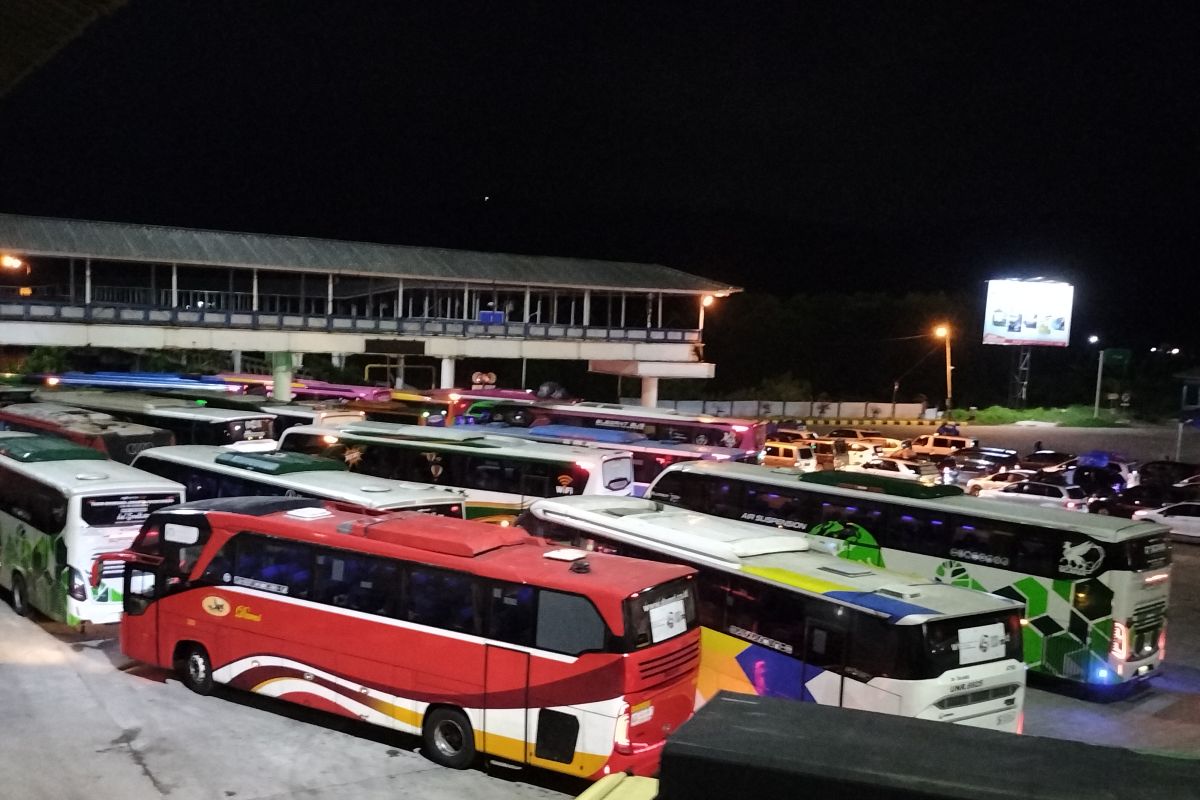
(943, 332)
(1093, 339)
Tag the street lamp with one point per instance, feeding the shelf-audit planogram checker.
(1094, 339)
(943, 332)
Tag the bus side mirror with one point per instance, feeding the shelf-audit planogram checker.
(98, 565)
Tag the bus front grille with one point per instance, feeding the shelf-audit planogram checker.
(1149, 614)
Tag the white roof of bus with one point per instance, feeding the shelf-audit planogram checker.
(646, 412)
(743, 547)
(90, 477)
(461, 440)
(143, 404)
(77, 419)
(1102, 528)
(350, 487)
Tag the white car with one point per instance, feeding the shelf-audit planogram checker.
(1049, 495)
(998, 480)
(1182, 518)
(899, 468)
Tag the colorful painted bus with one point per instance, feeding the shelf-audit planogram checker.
(190, 422)
(501, 475)
(650, 456)
(653, 423)
(782, 619)
(1096, 587)
(208, 472)
(118, 440)
(480, 639)
(62, 506)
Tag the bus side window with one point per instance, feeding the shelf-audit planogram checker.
(983, 542)
(712, 589)
(510, 614)
(441, 599)
(568, 624)
(355, 581)
(726, 499)
(1038, 551)
(918, 531)
(274, 566)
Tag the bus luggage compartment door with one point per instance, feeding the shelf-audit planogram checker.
(505, 703)
(139, 623)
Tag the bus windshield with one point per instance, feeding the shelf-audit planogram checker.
(953, 643)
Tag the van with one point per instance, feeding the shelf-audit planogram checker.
(791, 455)
(938, 445)
(831, 453)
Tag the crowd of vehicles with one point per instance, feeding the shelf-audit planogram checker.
(848, 569)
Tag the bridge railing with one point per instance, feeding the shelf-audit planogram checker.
(215, 313)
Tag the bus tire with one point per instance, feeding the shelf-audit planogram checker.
(973, 491)
(195, 670)
(1102, 511)
(20, 597)
(449, 738)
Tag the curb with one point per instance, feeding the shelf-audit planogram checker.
(864, 423)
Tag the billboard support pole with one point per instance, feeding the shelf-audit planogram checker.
(1099, 377)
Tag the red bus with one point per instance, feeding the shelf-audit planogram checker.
(478, 638)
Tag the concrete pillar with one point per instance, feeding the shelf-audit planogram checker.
(87, 282)
(650, 392)
(447, 381)
(281, 375)
(527, 305)
(254, 290)
(237, 360)
(466, 308)
(174, 286)
(587, 307)
(337, 359)
(399, 298)
(329, 297)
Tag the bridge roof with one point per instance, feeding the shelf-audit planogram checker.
(118, 241)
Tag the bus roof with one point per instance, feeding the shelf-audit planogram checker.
(29, 448)
(80, 420)
(645, 412)
(781, 558)
(1101, 528)
(327, 477)
(594, 437)
(130, 402)
(507, 554)
(453, 438)
(86, 476)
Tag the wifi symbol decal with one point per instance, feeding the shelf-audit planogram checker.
(565, 480)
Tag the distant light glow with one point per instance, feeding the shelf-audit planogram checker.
(52, 381)
(1174, 351)
(11, 262)
(1093, 339)
(707, 300)
(941, 331)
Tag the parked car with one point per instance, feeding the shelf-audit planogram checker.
(934, 445)
(1125, 468)
(998, 480)
(866, 436)
(1071, 498)
(789, 455)
(1182, 518)
(922, 471)
(1142, 496)
(982, 460)
(1048, 460)
(793, 435)
(1096, 481)
(1167, 472)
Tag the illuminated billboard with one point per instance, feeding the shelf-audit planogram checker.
(1033, 312)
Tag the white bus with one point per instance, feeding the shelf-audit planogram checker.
(501, 475)
(1096, 587)
(207, 472)
(191, 422)
(783, 620)
(61, 506)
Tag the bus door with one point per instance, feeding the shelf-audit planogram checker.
(824, 661)
(506, 703)
(139, 627)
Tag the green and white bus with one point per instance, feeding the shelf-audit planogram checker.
(501, 475)
(207, 472)
(61, 506)
(783, 620)
(1096, 587)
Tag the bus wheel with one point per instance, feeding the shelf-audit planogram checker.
(449, 740)
(1102, 511)
(196, 670)
(973, 491)
(20, 600)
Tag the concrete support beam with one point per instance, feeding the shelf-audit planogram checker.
(237, 360)
(447, 379)
(87, 282)
(281, 375)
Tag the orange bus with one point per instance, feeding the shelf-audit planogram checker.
(480, 639)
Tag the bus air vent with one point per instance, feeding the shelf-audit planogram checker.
(311, 512)
(900, 591)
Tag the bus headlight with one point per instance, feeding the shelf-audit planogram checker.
(75, 584)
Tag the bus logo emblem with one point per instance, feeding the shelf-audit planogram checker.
(215, 605)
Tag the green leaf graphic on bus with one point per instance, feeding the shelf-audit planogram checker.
(857, 543)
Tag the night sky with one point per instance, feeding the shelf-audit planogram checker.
(782, 147)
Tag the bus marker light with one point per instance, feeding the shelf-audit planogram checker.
(1156, 578)
(329, 439)
(1120, 643)
(1102, 674)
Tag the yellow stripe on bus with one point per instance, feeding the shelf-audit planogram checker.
(790, 578)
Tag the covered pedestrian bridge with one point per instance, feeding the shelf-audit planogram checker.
(78, 283)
